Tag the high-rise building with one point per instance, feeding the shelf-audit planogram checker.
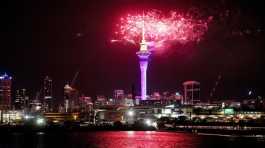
(5, 92)
(21, 99)
(47, 88)
(47, 93)
(191, 92)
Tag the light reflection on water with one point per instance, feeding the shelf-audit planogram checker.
(123, 139)
(144, 139)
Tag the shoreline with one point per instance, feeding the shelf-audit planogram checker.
(260, 132)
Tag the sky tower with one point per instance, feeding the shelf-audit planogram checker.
(143, 55)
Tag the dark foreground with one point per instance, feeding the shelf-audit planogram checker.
(124, 139)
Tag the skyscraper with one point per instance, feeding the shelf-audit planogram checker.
(47, 93)
(47, 88)
(5, 92)
(21, 99)
(191, 92)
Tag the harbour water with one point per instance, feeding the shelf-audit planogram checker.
(125, 139)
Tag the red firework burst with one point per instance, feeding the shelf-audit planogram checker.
(159, 28)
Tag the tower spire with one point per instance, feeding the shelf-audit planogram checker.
(143, 30)
(143, 43)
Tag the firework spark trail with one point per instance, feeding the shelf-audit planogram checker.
(161, 28)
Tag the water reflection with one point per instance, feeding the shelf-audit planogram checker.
(142, 139)
(123, 139)
(40, 140)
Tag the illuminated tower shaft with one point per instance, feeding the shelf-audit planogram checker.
(143, 55)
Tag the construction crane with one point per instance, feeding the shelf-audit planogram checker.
(69, 90)
(212, 93)
(74, 79)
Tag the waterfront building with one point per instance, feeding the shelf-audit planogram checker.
(101, 100)
(118, 96)
(5, 92)
(85, 104)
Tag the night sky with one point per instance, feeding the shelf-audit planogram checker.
(60, 37)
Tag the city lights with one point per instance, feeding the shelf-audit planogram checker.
(27, 117)
(40, 121)
(250, 92)
(38, 108)
(133, 73)
(75, 117)
(148, 122)
(130, 113)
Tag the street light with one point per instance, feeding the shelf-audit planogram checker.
(40, 121)
(38, 108)
(148, 122)
(250, 92)
(130, 113)
(26, 117)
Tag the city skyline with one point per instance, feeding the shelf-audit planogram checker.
(132, 73)
(58, 41)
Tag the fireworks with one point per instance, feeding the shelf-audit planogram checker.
(159, 28)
